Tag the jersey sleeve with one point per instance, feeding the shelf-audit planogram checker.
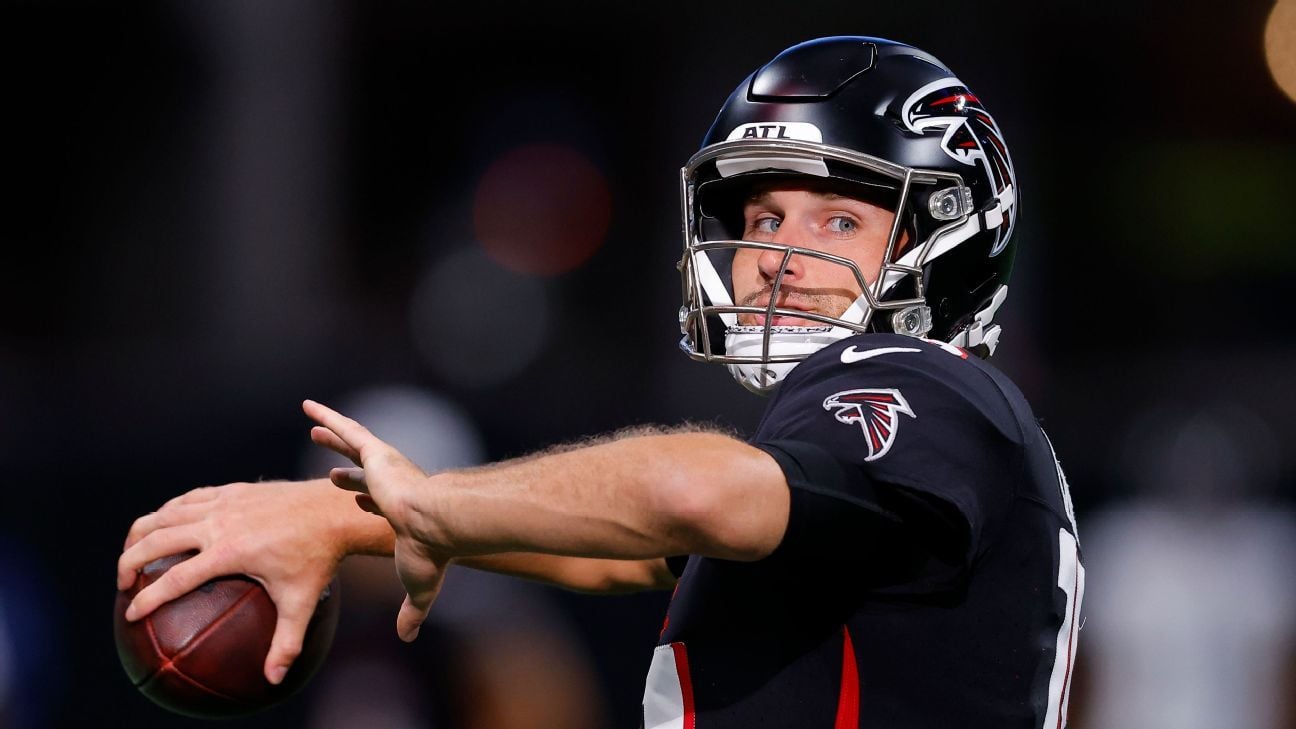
(897, 437)
(676, 564)
(891, 540)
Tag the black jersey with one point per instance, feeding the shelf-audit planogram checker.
(929, 575)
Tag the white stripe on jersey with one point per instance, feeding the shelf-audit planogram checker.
(663, 702)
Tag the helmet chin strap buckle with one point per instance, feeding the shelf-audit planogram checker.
(981, 335)
(912, 321)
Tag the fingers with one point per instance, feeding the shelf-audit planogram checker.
(183, 578)
(156, 544)
(173, 514)
(327, 438)
(353, 479)
(366, 502)
(295, 611)
(422, 583)
(180, 510)
(410, 619)
(351, 433)
(194, 496)
(350, 479)
(351, 439)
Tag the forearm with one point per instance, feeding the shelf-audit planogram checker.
(582, 574)
(368, 534)
(635, 498)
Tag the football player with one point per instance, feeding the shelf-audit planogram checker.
(893, 547)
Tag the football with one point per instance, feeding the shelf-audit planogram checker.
(203, 654)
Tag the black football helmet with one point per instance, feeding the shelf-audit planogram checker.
(881, 118)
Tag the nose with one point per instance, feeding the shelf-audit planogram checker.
(770, 261)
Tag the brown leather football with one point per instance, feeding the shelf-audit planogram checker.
(203, 654)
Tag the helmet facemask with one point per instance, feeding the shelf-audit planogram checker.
(933, 214)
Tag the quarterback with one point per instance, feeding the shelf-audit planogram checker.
(894, 546)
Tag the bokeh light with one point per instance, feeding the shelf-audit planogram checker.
(1280, 46)
(542, 209)
(475, 323)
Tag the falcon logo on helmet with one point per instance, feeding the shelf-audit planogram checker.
(971, 137)
(876, 412)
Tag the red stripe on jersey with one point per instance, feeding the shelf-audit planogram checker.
(686, 685)
(666, 620)
(1066, 681)
(848, 699)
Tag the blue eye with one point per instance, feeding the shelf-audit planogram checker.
(767, 225)
(842, 224)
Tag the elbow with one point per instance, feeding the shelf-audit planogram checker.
(722, 519)
(625, 577)
(614, 585)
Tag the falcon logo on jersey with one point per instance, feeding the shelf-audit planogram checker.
(971, 137)
(876, 412)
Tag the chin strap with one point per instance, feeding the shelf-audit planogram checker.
(795, 343)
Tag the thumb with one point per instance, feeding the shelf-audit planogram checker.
(414, 610)
(290, 630)
(410, 619)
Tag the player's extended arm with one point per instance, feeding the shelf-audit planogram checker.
(634, 498)
(684, 493)
(599, 576)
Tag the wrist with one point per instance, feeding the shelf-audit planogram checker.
(352, 529)
(426, 511)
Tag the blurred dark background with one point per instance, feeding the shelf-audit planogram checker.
(215, 210)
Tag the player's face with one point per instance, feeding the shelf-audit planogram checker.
(818, 219)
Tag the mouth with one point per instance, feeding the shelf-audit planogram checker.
(786, 321)
(780, 320)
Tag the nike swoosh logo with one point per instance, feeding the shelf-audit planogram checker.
(850, 354)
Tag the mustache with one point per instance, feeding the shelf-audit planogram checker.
(794, 295)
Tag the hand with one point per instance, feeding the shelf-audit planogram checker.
(280, 534)
(386, 483)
